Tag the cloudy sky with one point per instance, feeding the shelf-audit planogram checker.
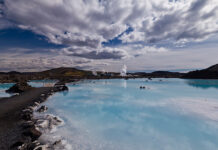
(106, 34)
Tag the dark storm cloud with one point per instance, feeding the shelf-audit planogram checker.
(87, 42)
(100, 55)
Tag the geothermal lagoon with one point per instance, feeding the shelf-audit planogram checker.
(3, 87)
(167, 114)
(116, 114)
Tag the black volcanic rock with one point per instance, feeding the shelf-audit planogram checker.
(213, 68)
(209, 73)
(19, 87)
(14, 73)
(33, 133)
(60, 86)
(159, 74)
(42, 109)
(167, 74)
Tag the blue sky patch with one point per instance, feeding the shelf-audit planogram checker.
(19, 38)
(116, 41)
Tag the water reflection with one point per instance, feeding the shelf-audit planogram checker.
(65, 93)
(203, 84)
(124, 83)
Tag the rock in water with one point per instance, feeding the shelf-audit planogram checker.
(19, 87)
(61, 86)
(42, 109)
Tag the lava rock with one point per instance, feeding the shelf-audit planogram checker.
(64, 88)
(142, 87)
(57, 142)
(17, 144)
(19, 87)
(27, 116)
(42, 109)
(27, 124)
(60, 83)
(60, 88)
(22, 143)
(33, 133)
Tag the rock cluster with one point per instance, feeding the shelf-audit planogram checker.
(60, 86)
(19, 87)
(31, 131)
(42, 109)
(144, 87)
(28, 140)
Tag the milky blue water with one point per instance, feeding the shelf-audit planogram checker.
(35, 83)
(4, 87)
(169, 114)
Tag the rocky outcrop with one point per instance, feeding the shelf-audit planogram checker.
(209, 73)
(158, 74)
(19, 87)
(60, 86)
(42, 109)
(33, 133)
(29, 126)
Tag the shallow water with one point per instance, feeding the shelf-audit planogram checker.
(3, 87)
(171, 114)
(34, 83)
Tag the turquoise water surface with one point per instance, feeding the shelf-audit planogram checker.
(34, 83)
(169, 114)
(3, 87)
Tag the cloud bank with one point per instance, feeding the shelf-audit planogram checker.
(88, 23)
(82, 26)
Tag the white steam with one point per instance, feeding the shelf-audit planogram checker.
(123, 71)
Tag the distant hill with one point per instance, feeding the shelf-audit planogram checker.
(208, 73)
(57, 73)
(66, 72)
(213, 68)
(160, 74)
(70, 74)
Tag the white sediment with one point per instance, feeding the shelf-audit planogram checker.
(206, 108)
(48, 124)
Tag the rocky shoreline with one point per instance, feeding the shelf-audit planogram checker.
(27, 126)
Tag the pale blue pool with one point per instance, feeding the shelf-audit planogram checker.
(33, 83)
(172, 114)
(3, 87)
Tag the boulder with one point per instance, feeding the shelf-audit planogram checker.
(22, 143)
(27, 116)
(42, 109)
(33, 133)
(27, 124)
(60, 86)
(60, 83)
(19, 87)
